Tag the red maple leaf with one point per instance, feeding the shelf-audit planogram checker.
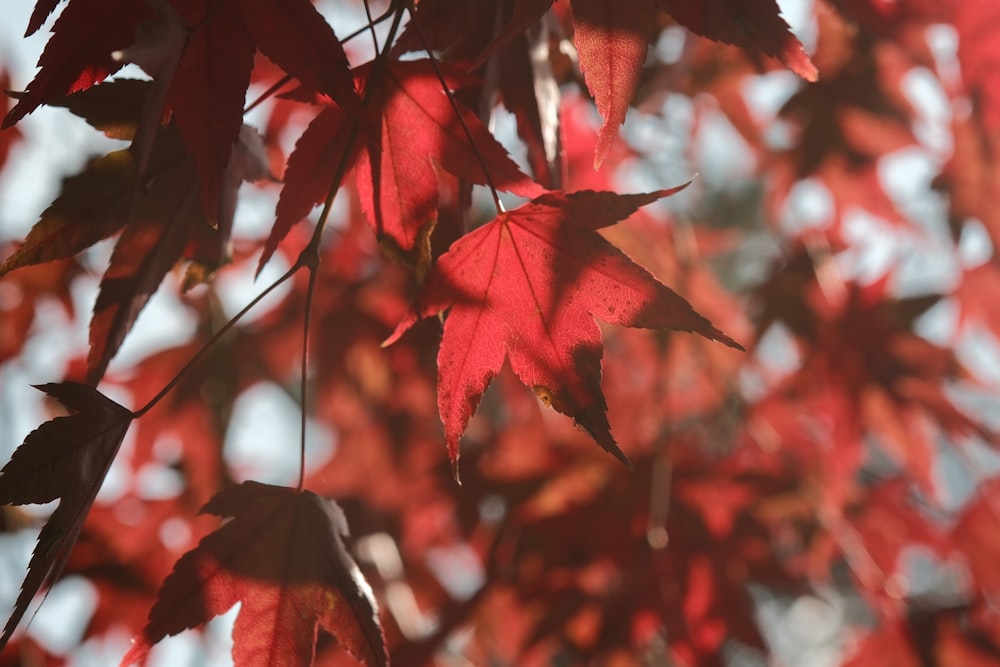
(750, 24)
(526, 13)
(398, 185)
(205, 89)
(158, 210)
(65, 458)
(282, 555)
(528, 286)
(298, 39)
(311, 170)
(79, 54)
(611, 37)
(419, 126)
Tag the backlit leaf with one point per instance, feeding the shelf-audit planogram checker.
(527, 287)
(282, 555)
(67, 459)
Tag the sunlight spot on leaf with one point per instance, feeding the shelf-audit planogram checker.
(943, 42)
(779, 357)
(658, 537)
(929, 579)
(767, 93)
(764, 96)
(492, 509)
(980, 353)
(814, 620)
(906, 176)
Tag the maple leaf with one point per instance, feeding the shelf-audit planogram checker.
(201, 74)
(92, 206)
(281, 555)
(526, 14)
(311, 170)
(144, 254)
(158, 210)
(454, 28)
(751, 24)
(165, 225)
(611, 37)
(398, 184)
(294, 35)
(79, 54)
(535, 106)
(38, 16)
(100, 200)
(66, 458)
(528, 286)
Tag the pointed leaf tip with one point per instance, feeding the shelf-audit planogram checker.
(527, 287)
(65, 458)
(282, 555)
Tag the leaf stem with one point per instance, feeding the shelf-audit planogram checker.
(371, 23)
(458, 112)
(268, 93)
(193, 361)
(309, 259)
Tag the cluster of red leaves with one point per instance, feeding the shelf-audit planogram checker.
(751, 477)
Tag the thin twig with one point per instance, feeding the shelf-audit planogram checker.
(458, 113)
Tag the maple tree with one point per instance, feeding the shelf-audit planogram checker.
(486, 252)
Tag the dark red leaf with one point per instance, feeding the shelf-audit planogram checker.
(282, 555)
(79, 54)
(144, 254)
(38, 15)
(526, 14)
(755, 25)
(67, 459)
(207, 94)
(531, 93)
(297, 37)
(312, 168)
